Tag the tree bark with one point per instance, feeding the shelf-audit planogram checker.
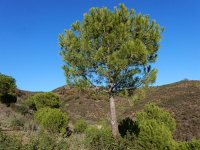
(114, 124)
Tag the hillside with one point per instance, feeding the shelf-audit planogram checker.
(181, 99)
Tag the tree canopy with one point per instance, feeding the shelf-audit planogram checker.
(7, 89)
(113, 48)
(7, 84)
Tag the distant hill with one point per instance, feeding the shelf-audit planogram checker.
(181, 99)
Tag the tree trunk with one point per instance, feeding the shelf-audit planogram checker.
(114, 124)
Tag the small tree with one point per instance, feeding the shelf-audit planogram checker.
(7, 89)
(111, 48)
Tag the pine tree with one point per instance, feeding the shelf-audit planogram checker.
(111, 48)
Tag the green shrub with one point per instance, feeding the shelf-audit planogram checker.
(7, 89)
(190, 145)
(7, 84)
(99, 138)
(41, 100)
(153, 135)
(9, 143)
(151, 111)
(76, 142)
(51, 119)
(102, 139)
(155, 129)
(80, 126)
(45, 141)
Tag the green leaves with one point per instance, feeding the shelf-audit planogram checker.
(115, 45)
(155, 128)
(7, 89)
(52, 119)
(153, 112)
(7, 84)
(41, 100)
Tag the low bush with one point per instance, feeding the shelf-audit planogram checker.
(45, 141)
(153, 135)
(9, 143)
(41, 100)
(155, 129)
(151, 111)
(51, 119)
(80, 126)
(99, 138)
(189, 145)
(76, 142)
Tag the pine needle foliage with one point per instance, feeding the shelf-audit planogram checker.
(111, 48)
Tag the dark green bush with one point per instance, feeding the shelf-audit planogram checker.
(80, 126)
(41, 100)
(7, 89)
(128, 126)
(8, 98)
(51, 119)
(7, 84)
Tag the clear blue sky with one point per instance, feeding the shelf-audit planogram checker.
(29, 30)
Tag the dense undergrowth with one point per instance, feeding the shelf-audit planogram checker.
(152, 128)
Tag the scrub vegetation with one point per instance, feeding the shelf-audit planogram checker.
(108, 103)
